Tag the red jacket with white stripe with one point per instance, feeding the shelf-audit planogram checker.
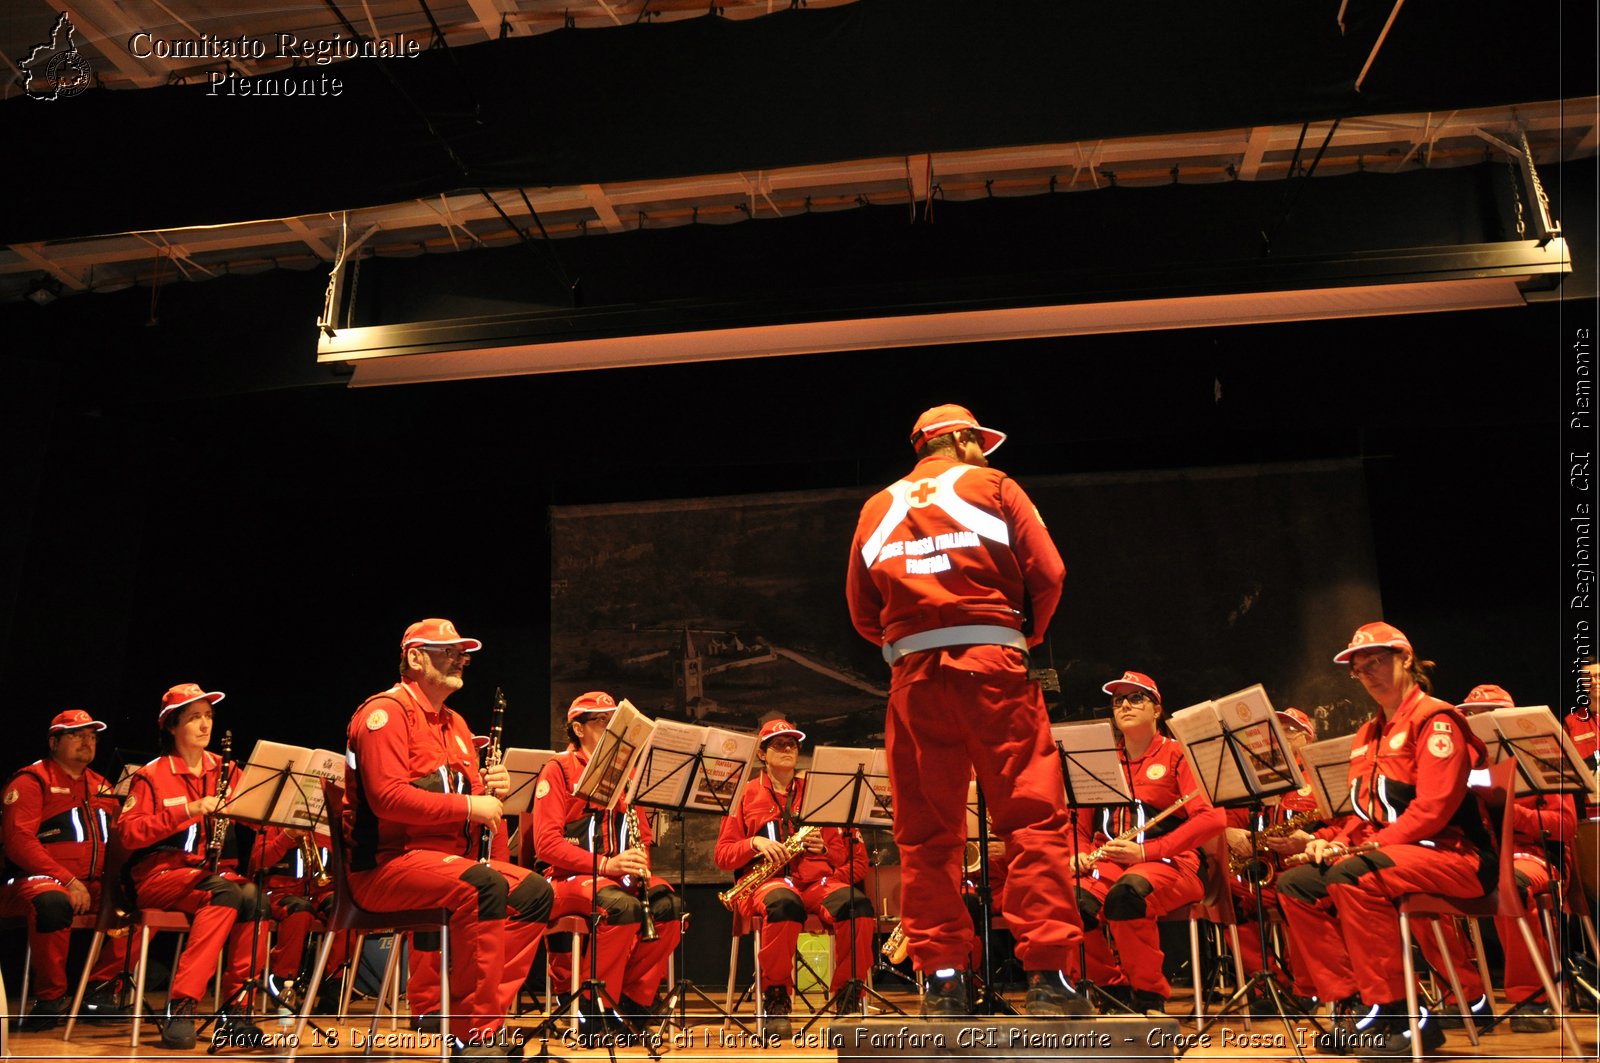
(950, 545)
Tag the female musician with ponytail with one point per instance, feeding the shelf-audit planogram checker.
(1139, 879)
(1408, 778)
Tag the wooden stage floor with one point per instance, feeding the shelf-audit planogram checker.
(707, 1040)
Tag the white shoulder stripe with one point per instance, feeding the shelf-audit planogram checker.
(891, 520)
(968, 515)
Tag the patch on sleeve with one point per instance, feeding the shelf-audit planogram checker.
(12, 795)
(376, 719)
(542, 789)
(1441, 746)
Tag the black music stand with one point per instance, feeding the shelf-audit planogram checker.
(854, 781)
(1096, 787)
(693, 769)
(993, 1003)
(1273, 775)
(278, 779)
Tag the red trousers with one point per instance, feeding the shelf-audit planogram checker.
(1138, 959)
(1347, 919)
(970, 709)
(24, 899)
(488, 953)
(626, 965)
(213, 903)
(784, 907)
(1522, 979)
(296, 924)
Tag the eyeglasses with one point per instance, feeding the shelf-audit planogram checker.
(1371, 666)
(449, 653)
(1138, 697)
(783, 743)
(593, 717)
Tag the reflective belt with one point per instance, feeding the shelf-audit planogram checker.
(961, 635)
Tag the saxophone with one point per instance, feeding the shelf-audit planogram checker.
(313, 861)
(647, 925)
(219, 822)
(1257, 867)
(764, 870)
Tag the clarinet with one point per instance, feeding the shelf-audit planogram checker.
(491, 758)
(219, 823)
(647, 926)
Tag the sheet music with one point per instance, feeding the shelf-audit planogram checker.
(1328, 771)
(727, 762)
(1248, 714)
(523, 765)
(1543, 749)
(604, 779)
(1092, 763)
(830, 786)
(1199, 730)
(278, 785)
(125, 780)
(664, 769)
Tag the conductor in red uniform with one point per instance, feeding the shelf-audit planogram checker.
(953, 574)
(58, 813)
(413, 818)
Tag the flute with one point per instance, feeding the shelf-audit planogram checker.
(1128, 835)
(1338, 854)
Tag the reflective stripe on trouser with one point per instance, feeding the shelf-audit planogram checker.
(952, 711)
(213, 923)
(489, 948)
(1138, 959)
(18, 900)
(1350, 926)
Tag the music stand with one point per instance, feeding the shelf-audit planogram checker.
(255, 801)
(1093, 776)
(992, 1000)
(864, 806)
(662, 792)
(1253, 760)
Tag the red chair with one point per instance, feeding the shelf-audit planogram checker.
(1505, 900)
(349, 916)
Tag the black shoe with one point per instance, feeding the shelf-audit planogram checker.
(849, 1002)
(775, 1005)
(1051, 994)
(1149, 1003)
(43, 1015)
(102, 1007)
(1115, 999)
(1531, 1016)
(177, 1030)
(1340, 1037)
(1449, 1016)
(947, 995)
(1392, 1034)
(236, 1028)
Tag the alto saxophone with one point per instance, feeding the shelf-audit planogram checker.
(219, 822)
(1257, 867)
(764, 870)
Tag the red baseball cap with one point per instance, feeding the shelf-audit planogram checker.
(1133, 681)
(774, 728)
(74, 720)
(1295, 718)
(481, 741)
(1487, 696)
(182, 694)
(593, 701)
(1374, 636)
(952, 418)
(436, 632)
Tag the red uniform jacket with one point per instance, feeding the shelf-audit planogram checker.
(1408, 778)
(408, 773)
(1158, 778)
(951, 545)
(567, 830)
(761, 812)
(56, 825)
(1585, 735)
(155, 825)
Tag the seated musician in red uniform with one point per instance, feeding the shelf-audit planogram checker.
(413, 819)
(1293, 812)
(568, 834)
(1582, 723)
(182, 858)
(300, 896)
(58, 814)
(1418, 829)
(815, 880)
(1544, 828)
(1153, 871)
